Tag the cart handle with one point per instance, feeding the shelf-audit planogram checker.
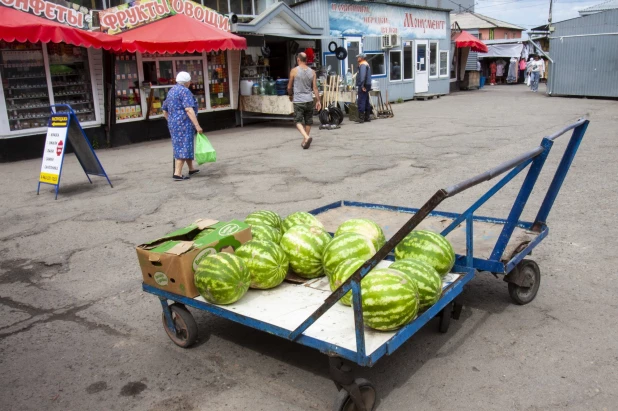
(53, 107)
(508, 165)
(353, 282)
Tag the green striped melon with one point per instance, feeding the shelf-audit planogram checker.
(344, 247)
(390, 299)
(222, 278)
(203, 233)
(428, 247)
(364, 227)
(304, 245)
(265, 232)
(299, 218)
(266, 261)
(264, 217)
(343, 271)
(427, 279)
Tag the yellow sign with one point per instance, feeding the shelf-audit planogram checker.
(48, 178)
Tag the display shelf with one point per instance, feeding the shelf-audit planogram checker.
(127, 99)
(25, 82)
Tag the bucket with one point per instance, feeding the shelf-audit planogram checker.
(482, 82)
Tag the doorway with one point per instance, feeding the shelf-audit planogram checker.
(421, 84)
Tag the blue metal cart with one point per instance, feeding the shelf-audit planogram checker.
(307, 312)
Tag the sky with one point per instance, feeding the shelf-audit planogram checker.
(531, 13)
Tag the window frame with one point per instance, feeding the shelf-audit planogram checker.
(412, 61)
(368, 53)
(446, 68)
(390, 52)
(437, 45)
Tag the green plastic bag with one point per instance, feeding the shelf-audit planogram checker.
(204, 151)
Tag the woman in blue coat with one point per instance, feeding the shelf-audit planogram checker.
(180, 111)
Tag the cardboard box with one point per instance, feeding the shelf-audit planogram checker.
(169, 262)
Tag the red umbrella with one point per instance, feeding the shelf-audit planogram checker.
(465, 39)
(179, 34)
(19, 26)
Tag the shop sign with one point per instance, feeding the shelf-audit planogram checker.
(135, 14)
(352, 18)
(60, 11)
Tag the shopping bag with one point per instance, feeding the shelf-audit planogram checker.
(204, 151)
(528, 81)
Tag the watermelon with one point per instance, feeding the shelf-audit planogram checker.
(427, 279)
(298, 218)
(203, 233)
(344, 247)
(264, 217)
(428, 247)
(265, 232)
(364, 227)
(304, 245)
(390, 299)
(266, 261)
(222, 278)
(343, 271)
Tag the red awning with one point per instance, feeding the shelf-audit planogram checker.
(19, 26)
(179, 34)
(465, 39)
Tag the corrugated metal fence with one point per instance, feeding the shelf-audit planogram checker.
(585, 54)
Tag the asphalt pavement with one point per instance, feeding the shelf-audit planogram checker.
(78, 333)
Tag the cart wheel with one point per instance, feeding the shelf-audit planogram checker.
(532, 275)
(345, 403)
(445, 318)
(186, 327)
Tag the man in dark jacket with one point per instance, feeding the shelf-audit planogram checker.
(363, 86)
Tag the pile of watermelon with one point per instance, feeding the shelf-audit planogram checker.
(391, 297)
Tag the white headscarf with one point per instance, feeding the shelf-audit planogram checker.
(183, 77)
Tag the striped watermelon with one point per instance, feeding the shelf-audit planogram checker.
(429, 247)
(344, 247)
(222, 278)
(390, 299)
(364, 227)
(342, 273)
(304, 245)
(203, 233)
(266, 261)
(427, 279)
(298, 218)
(264, 217)
(265, 232)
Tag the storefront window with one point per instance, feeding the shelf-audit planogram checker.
(376, 61)
(241, 7)
(219, 87)
(332, 64)
(218, 5)
(194, 68)
(443, 63)
(70, 74)
(408, 60)
(395, 65)
(25, 85)
(433, 59)
(128, 102)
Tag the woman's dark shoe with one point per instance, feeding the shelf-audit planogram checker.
(191, 172)
(179, 178)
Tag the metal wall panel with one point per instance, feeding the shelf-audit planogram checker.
(315, 13)
(587, 65)
(473, 56)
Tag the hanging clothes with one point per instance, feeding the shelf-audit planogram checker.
(492, 72)
(500, 64)
(512, 76)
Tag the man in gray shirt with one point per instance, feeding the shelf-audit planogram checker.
(300, 88)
